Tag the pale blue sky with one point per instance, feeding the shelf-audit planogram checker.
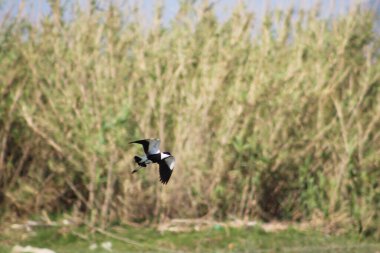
(223, 7)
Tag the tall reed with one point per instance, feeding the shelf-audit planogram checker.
(277, 122)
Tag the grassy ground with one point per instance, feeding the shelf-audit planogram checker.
(217, 239)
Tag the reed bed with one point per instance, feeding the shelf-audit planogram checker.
(276, 120)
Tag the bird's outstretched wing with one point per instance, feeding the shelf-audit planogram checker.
(151, 146)
(166, 167)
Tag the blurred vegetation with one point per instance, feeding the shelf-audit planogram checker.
(215, 239)
(278, 120)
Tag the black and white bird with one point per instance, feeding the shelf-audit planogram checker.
(153, 155)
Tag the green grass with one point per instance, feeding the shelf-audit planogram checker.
(211, 240)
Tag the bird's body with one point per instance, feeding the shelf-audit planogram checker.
(153, 155)
(155, 158)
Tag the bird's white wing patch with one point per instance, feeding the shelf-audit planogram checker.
(163, 156)
(170, 162)
(171, 166)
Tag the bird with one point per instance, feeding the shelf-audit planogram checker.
(165, 160)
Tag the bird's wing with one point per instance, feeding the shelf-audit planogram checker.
(154, 146)
(166, 169)
(151, 146)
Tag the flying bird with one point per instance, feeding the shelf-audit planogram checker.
(153, 154)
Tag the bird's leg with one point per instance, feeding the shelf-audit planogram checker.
(142, 164)
(136, 169)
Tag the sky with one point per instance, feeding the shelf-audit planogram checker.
(223, 7)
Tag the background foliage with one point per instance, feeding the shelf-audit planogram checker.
(277, 122)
